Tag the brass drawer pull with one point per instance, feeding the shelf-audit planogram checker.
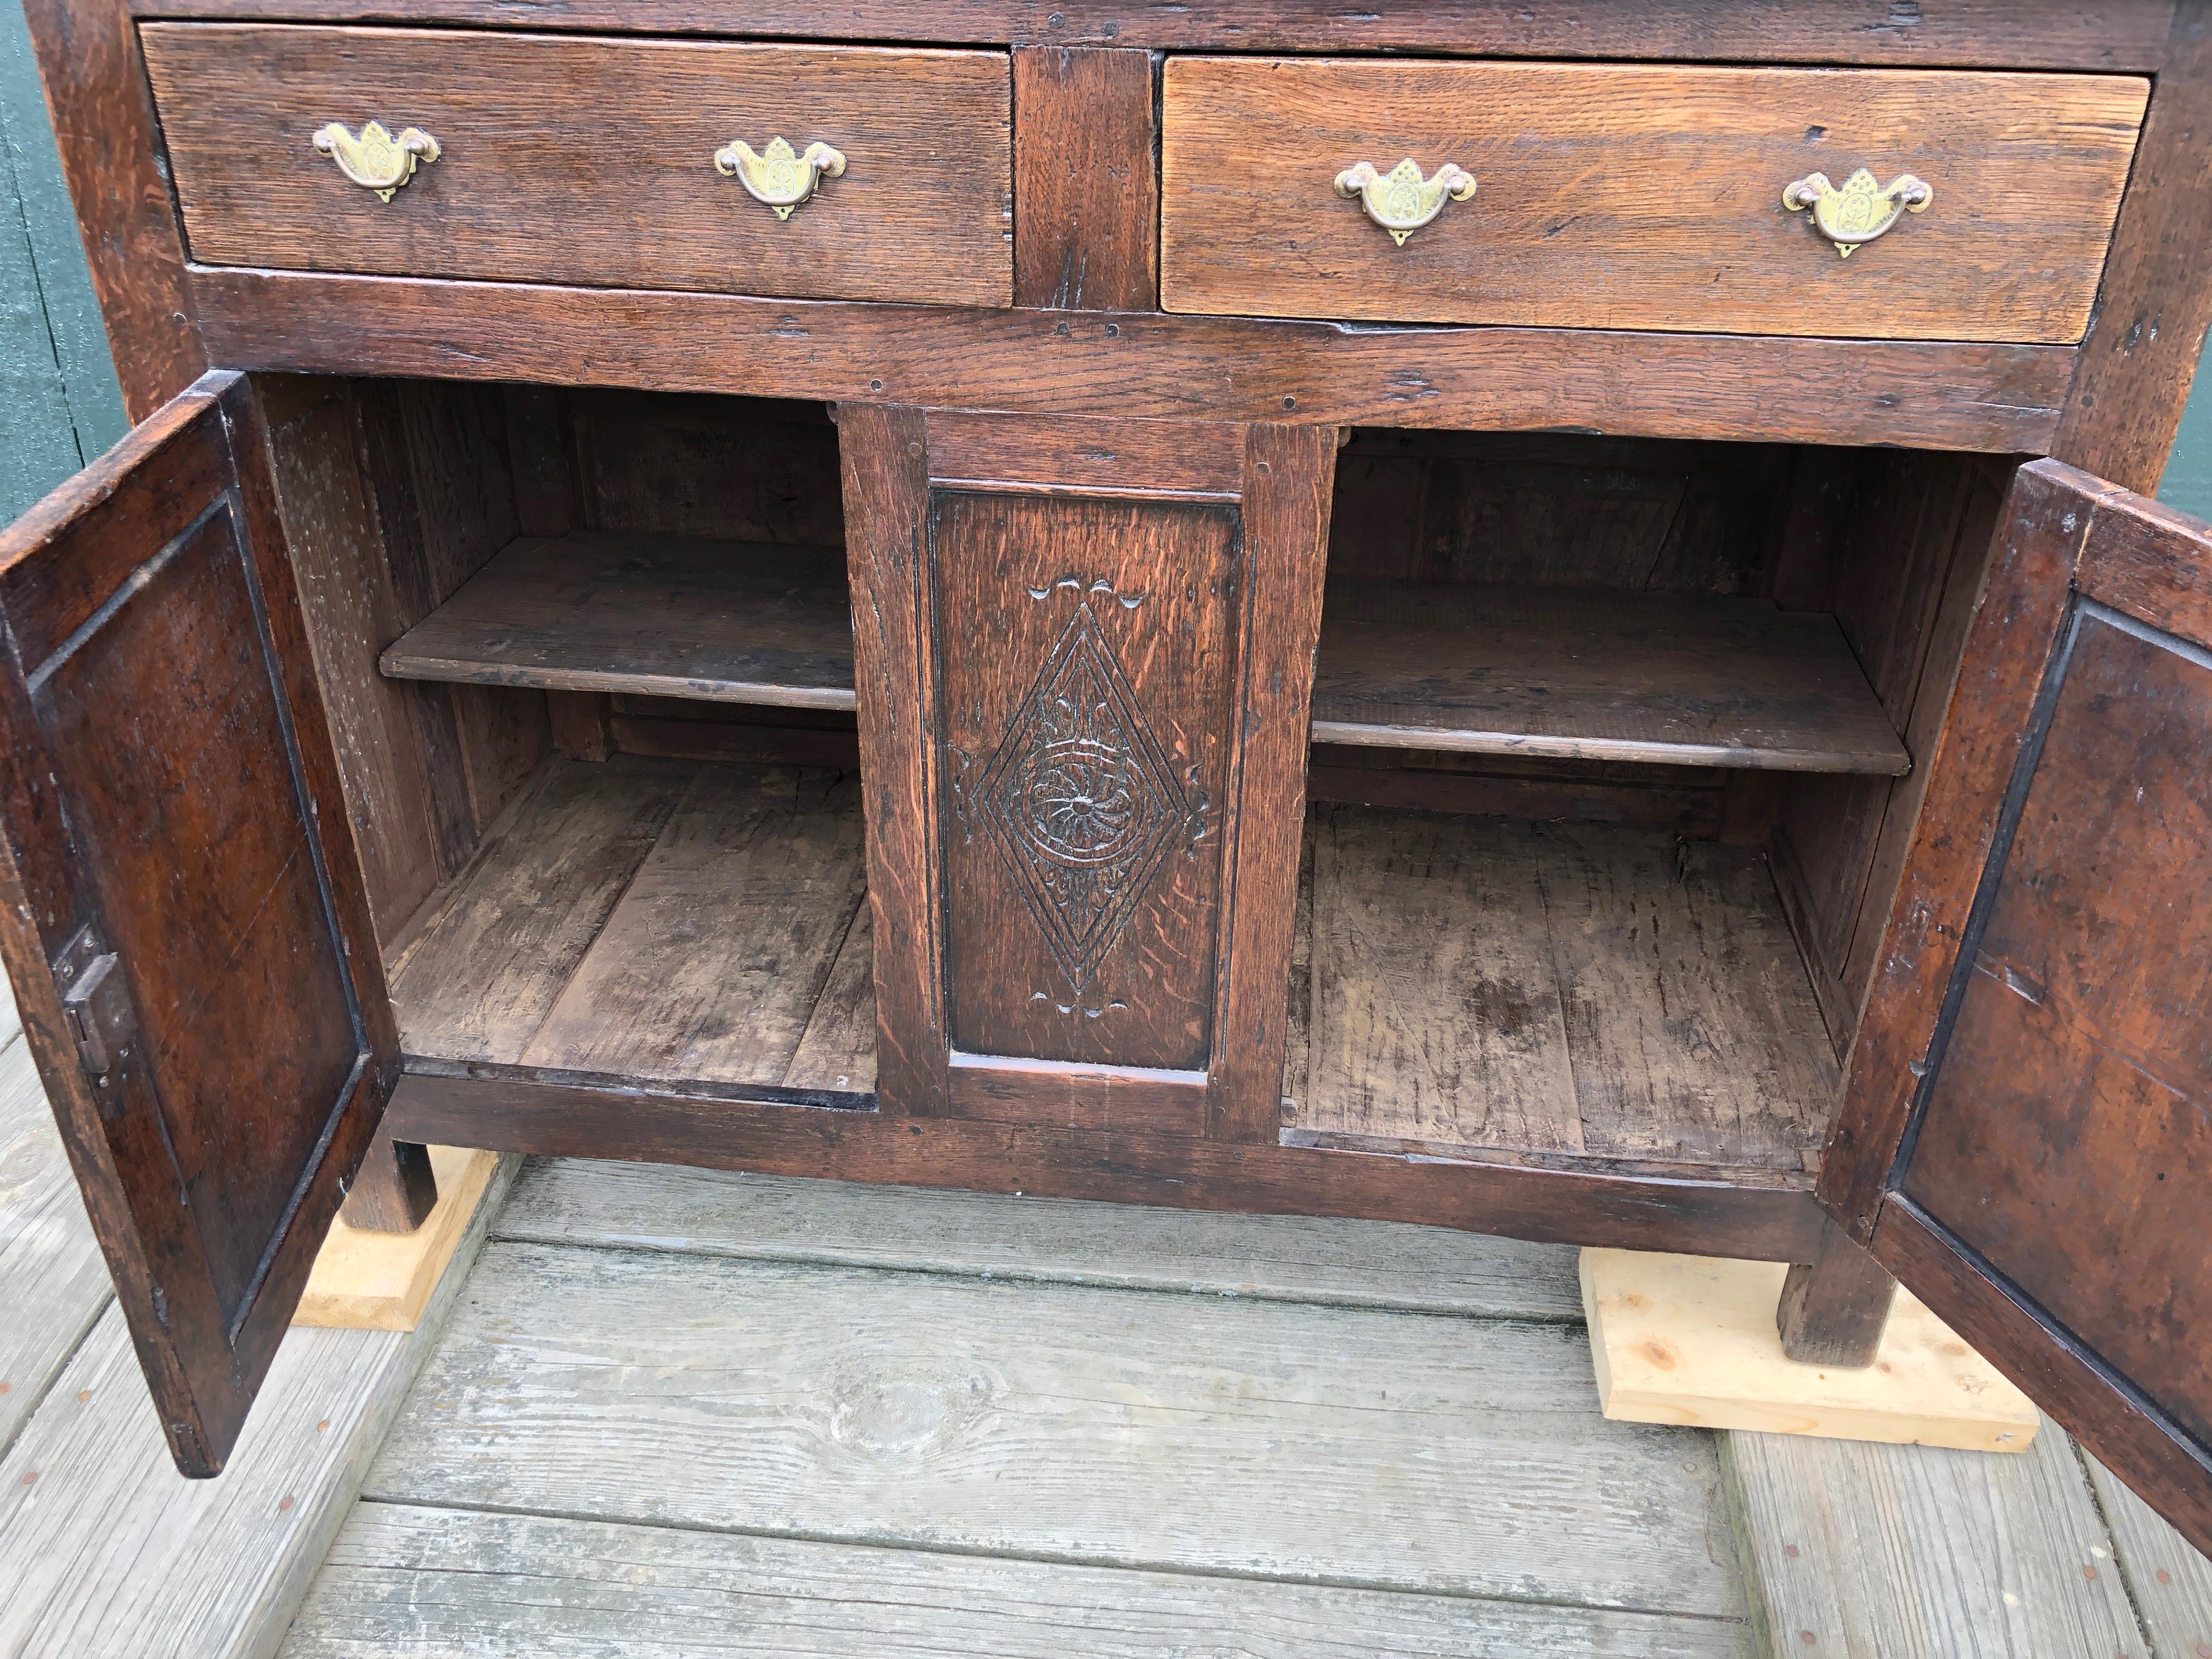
(781, 176)
(1863, 210)
(1401, 200)
(376, 160)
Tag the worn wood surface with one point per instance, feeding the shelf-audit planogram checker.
(711, 965)
(1595, 676)
(1834, 1307)
(599, 612)
(913, 1410)
(2169, 1581)
(531, 184)
(2000, 399)
(383, 1281)
(1566, 230)
(1086, 181)
(2047, 33)
(394, 1190)
(1683, 1339)
(1874, 1552)
(1570, 992)
(837, 1052)
(731, 469)
(111, 1555)
(404, 1577)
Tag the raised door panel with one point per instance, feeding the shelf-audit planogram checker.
(186, 926)
(2030, 1121)
(1085, 656)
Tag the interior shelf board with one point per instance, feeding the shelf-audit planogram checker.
(713, 621)
(1588, 675)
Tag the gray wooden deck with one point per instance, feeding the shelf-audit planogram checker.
(673, 1413)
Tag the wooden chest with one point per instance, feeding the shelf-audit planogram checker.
(1525, 619)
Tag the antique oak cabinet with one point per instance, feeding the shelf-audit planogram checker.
(1527, 617)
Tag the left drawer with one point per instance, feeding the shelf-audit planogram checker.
(596, 162)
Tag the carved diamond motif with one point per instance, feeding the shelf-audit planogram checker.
(1080, 799)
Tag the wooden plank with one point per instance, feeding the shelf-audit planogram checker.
(919, 212)
(1993, 33)
(1868, 1551)
(1685, 681)
(1692, 1340)
(709, 968)
(1353, 1264)
(837, 1051)
(1086, 187)
(404, 1579)
(53, 1282)
(488, 968)
(2000, 399)
(110, 1553)
(719, 621)
(1621, 998)
(1435, 1454)
(382, 1281)
(2169, 1582)
(1565, 231)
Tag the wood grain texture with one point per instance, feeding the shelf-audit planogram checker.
(111, 152)
(368, 1280)
(1861, 1550)
(394, 1189)
(722, 621)
(1595, 676)
(1086, 191)
(112, 1556)
(1835, 1307)
(489, 965)
(1567, 229)
(2003, 399)
(176, 729)
(2139, 356)
(1334, 1263)
(710, 966)
(1992, 33)
(401, 1577)
(1564, 991)
(2168, 1580)
(919, 212)
(910, 1411)
(836, 1052)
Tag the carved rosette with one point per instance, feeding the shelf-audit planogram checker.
(1080, 801)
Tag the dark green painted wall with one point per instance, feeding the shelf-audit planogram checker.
(59, 405)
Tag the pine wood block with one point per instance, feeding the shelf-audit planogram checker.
(1692, 1340)
(366, 1281)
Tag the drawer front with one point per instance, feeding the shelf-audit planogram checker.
(1621, 196)
(592, 162)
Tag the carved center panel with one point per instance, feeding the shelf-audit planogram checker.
(1080, 801)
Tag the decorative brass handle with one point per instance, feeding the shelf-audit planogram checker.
(779, 176)
(1401, 200)
(1863, 210)
(376, 160)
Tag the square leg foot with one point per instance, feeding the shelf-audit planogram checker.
(1692, 1340)
(366, 1281)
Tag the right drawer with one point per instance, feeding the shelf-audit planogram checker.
(1643, 197)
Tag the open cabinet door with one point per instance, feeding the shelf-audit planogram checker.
(181, 908)
(2026, 1134)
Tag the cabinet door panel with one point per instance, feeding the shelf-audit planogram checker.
(2029, 1122)
(1085, 652)
(186, 925)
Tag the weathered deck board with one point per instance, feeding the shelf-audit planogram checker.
(110, 1552)
(405, 1580)
(1356, 1264)
(1871, 1552)
(53, 1282)
(1059, 1422)
(1487, 986)
(2171, 1584)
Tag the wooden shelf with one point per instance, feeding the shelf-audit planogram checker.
(722, 622)
(1568, 995)
(1590, 675)
(696, 925)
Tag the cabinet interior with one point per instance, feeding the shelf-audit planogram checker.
(1613, 760)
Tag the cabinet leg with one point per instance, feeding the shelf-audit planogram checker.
(395, 1191)
(580, 727)
(1833, 1307)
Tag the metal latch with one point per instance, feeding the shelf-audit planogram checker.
(96, 1003)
